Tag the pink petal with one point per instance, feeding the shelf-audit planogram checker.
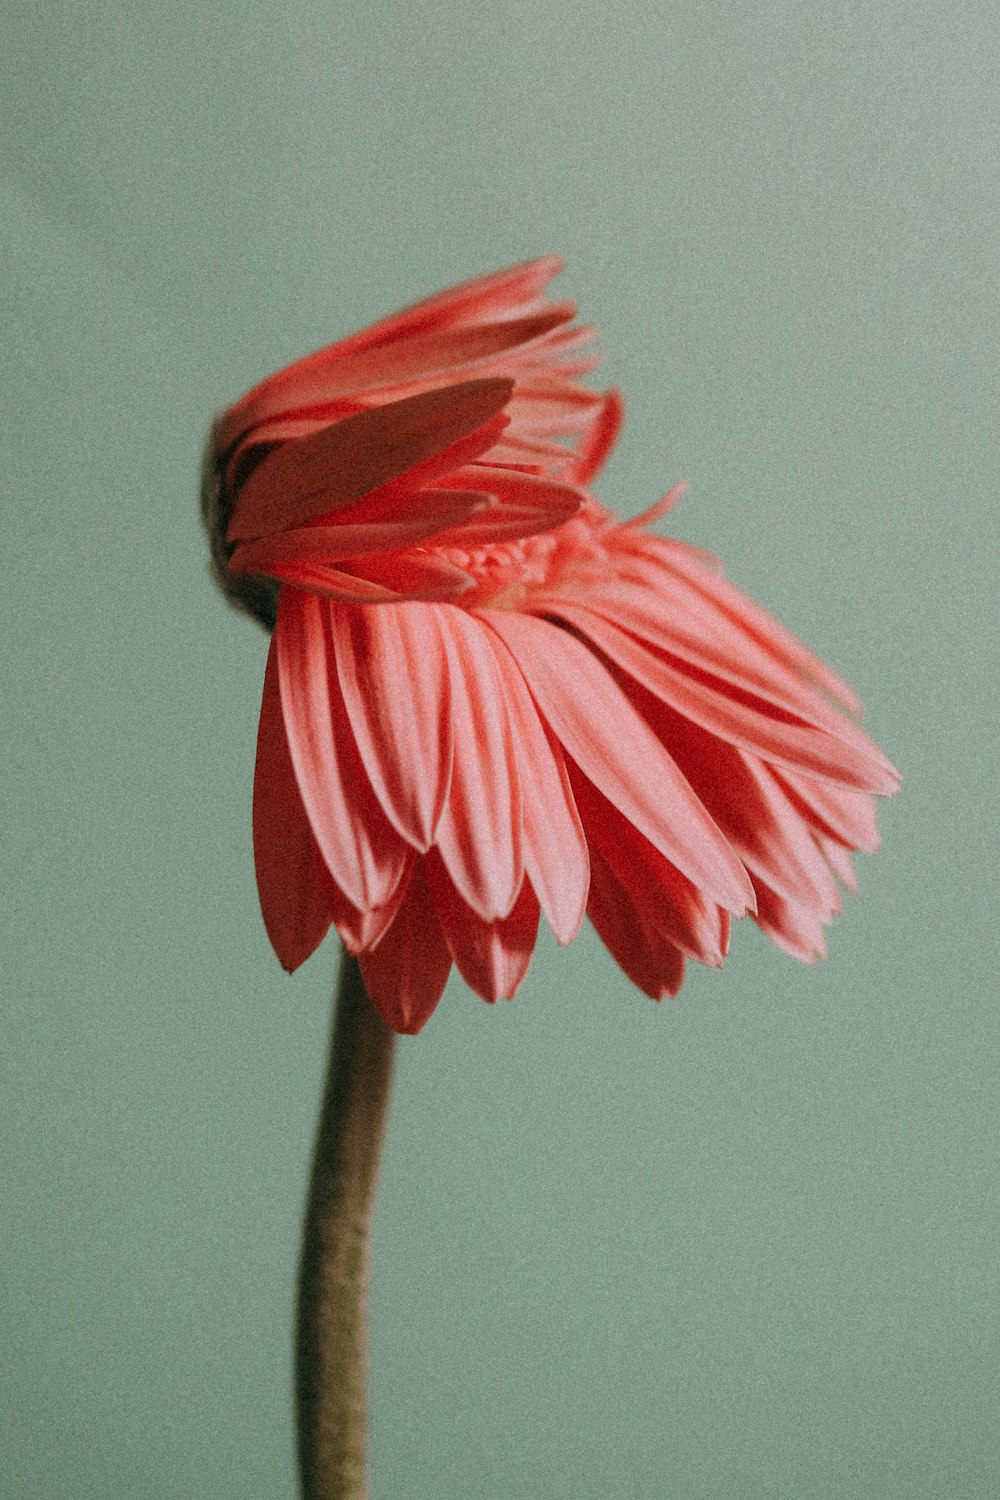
(663, 900)
(408, 970)
(747, 615)
(509, 294)
(302, 480)
(479, 834)
(750, 806)
(598, 727)
(790, 925)
(393, 669)
(363, 853)
(649, 960)
(736, 715)
(849, 817)
(492, 957)
(555, 848)
(292, 881)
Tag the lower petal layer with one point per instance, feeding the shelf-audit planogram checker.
(407, 971)
(492, 957)
(292, 881)
(651, 961)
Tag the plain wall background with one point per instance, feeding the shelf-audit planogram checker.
(739, 1245)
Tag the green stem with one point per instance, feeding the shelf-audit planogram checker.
(331, 1357)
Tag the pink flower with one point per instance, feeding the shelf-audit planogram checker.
(487, 697)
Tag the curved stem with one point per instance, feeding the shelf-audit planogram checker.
(331, 1356)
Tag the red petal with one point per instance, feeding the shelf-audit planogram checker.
(292, 881)
(617, 751)
(363, 853)
(393, 669)
(305, 479)
(408, 970)
(419, 517)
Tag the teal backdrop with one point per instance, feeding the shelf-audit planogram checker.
(740, 1245)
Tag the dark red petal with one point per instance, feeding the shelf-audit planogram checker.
(292, 881)
(311, 476)
(407, 971)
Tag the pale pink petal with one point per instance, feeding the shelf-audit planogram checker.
(292, 881)
(300, 481)
(840, 862)
(492, 957)
(408, 969)
(404, 727)
(479, 834)
(790, 925)
(849, 817)
(597, 726)
(364, 854)
(649, 960)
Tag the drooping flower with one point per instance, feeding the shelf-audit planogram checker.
(488, 697)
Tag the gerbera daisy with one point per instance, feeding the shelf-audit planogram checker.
(487, 697)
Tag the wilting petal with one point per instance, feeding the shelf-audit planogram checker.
(291, 878)
(363, 853)
(597, 726)
(404, 731)
(408, 969)
(303, 480)
(479, 834)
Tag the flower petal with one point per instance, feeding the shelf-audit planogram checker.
(737, 716)
(292, 881)
(393, 668)
(302, 480)
(492, 957)
(616, 750)
(364, 854)
(479, 834)
(649, 960)
(555, 847)
(663, 900)
(425, 514)
(407, 971)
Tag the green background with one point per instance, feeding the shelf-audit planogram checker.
(743, 1244)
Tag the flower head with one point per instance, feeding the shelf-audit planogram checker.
(488, 697)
